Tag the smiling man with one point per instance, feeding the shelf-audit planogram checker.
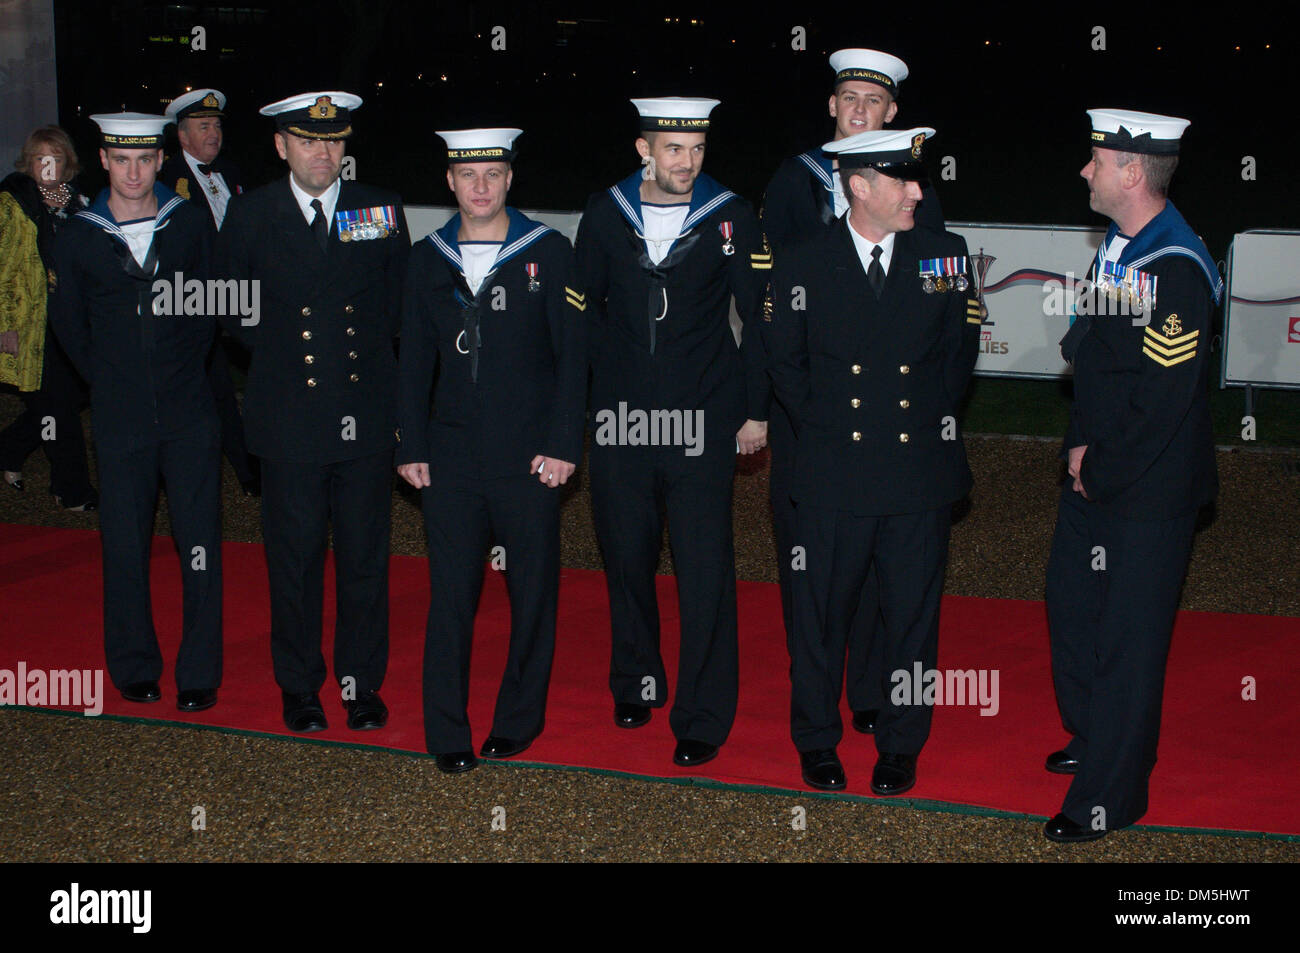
(805, 197)
(1140, 459)
(872, 344)
(321, 404)
(489, 311)
(660, 256)
(151, 408)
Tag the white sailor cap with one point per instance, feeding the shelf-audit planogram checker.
(1130, 131)
(325, 115)
(130, 130)
(675, 113)
(199, 102)
(869, 66)
(893, 152)
(480, 145)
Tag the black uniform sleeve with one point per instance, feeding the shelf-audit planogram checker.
(67, 308)
(961, 336)
(785, 336)
(566, 313)
(1174, 348)
(231, 260)
(780, 224)
(591, 276)
(747, 277)
(399, 250)
(417, 358)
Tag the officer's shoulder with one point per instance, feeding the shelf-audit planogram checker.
(358, 193)
(262, 195)
(1182, 284)
(189, 214)
(599, 203)
(940, 239)
(554, 242)
(792, 168)
(806, 252)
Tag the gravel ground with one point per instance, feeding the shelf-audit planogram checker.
(105, 790)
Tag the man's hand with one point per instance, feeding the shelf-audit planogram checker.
(416, 474)
(550, 471)
(752, 437)
(9, 342)
(1074, 466)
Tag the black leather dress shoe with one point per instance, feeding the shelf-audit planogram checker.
(499, 747)
(196, 699)
(1058, 762)
(304, 713)
(1064, 831)
(690, 754)
(627, 715)
(822, 769)
(894, 774)
(366, 712)
(865, 721)
(457, 762)
(251, 487)
(141, 692)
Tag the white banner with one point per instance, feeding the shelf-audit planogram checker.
(1261, 324)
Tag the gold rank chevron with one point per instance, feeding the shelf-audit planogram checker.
(1169, 351)
(973, 320)
(579, 301)
(761, 261)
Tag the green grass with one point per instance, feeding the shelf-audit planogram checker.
(1041, 408)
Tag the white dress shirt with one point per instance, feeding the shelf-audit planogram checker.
(328, 199)
(219, 198)
(865, 245)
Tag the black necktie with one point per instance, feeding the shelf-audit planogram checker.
(205, 169)
(318, 226)
(876, 274)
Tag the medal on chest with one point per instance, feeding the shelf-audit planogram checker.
(940, 274)
(728, 248)
(533, 283)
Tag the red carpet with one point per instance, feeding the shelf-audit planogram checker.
(1225, 763)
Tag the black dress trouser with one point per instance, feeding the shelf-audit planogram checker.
(300, 503)
(629, 488)
(867, 636)
(189, 465)
(1112, 593)
(462, 515)
(909, 554)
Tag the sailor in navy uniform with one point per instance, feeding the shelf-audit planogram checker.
(872, 340)
(673, 399)
(1140, 453)
(805, 196)
(209, 180)
(329, 257)
(113, 309)
(489, 309)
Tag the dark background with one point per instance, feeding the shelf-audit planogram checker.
(1006, 88)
